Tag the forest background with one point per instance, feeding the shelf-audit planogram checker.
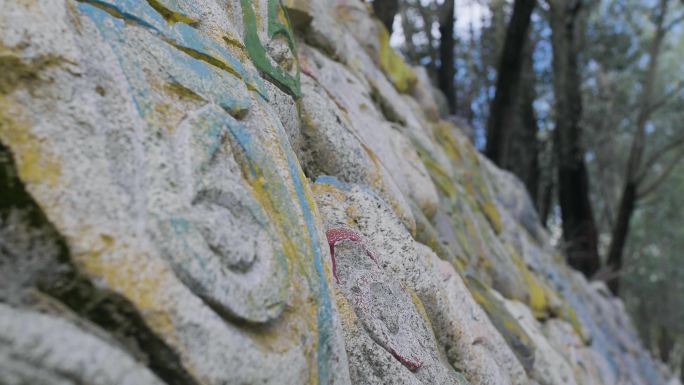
(584, 101)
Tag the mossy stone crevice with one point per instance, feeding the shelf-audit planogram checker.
(516, 338)
(112, 313)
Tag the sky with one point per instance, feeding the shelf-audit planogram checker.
(467, 12)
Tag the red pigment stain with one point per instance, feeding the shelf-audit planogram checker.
(303, 68)
(409, 363)
(338, 234)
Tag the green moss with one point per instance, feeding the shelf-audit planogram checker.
(461, 231)
(438, 175)
(503, 320)
(427, 235)
(465, 158)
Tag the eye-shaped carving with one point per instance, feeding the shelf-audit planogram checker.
(379, 303)
(237, 248)
(221, 244)
(382, 305)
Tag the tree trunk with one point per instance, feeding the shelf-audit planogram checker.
(643, 315)
(408, 30)
(620, 232)
(544, 203)
(510, 65)
(579, 229)
(666, 343)
(445, 74)
(520, 147)
(630, 191)
(385, 10)
(547, 180)
(427, 14)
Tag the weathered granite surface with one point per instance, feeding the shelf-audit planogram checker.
(263, 192)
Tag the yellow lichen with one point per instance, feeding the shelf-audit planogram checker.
(442, 132)
(299, 317)
(503, 320)
(568, 314)
(419, 307)
(439, 176)
(140, 279)
(492, 215)
(466, 160)
(399, 73)
(35, 162)
(536, 292)
(324, 188)
(348, 317)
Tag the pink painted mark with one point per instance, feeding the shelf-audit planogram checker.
(338, 234)
(303, 68)
(409, 363)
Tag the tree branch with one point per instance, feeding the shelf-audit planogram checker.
(574, 8)
(637, 149)
(657, 155)
(674, 22)
(660, 178)
(607, 273)
(663, 100)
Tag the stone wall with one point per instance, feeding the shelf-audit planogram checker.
(250, 192)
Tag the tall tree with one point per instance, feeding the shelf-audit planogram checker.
(508, 76)
(546, 184)
(579, 229)
(446, 73)
(520, 151)
(491, 42)
(428, 15)
(471, 71)
(638, 179)
(417, 21)
(385, 10)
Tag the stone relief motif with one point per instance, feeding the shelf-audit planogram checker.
(217, 237)
(221, 242)
(163, 145)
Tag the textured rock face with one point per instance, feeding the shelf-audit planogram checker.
(177, 175)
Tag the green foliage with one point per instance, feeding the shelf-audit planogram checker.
(619, 36)
(654, 278)
(616, 40)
